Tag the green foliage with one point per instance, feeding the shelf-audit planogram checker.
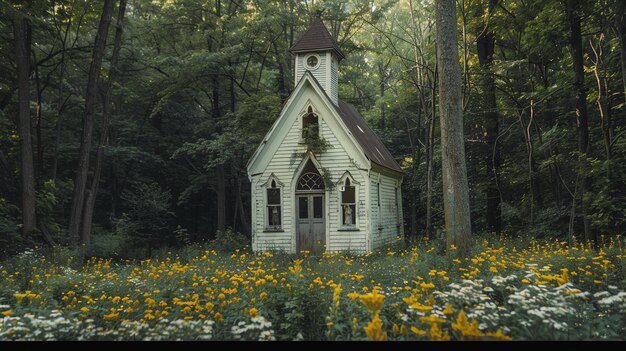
(110, 245)
(229, 241)
(146, 222)
(10, 236)
(52, 196)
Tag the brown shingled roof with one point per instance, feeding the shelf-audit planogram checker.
(317, 38)
(373, 147)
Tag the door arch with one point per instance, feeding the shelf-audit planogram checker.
(310, 210)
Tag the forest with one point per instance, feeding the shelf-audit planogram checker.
(126, 127)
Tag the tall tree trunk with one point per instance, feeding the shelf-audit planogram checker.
(220, 172)
(243, 218)
(60, 100)
(104, 132)
(576, 44)
(80, 183)
(281, 79)
(221, 197)
(430, 147)
(485, 43)
(621, 15)
(38, 113)
(455, 186)
(382, 77)
(22, 60)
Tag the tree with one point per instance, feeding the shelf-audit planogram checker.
(90, 201)
(21, 30)
(455, 187)
(582, 124)
(80, 183)
(485, 45)
(621, 30)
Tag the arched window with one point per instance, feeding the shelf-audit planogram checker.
(273, 204)
(348, 204)
(310, 180)
(310, 125)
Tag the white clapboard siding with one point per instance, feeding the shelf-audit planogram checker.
(282, 154)
(320, 73)
(386, 218)
(336, 161)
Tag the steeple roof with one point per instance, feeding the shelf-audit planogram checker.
(316, 38)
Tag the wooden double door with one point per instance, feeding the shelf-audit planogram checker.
(311, 223)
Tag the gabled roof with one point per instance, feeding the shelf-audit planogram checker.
(371, 144)
(316, 38)
(362, 135)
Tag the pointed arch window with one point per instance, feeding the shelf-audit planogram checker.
(273, 201)
(348, 209)
(310, 179)
(310, 125)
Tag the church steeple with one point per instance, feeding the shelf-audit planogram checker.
(317, 52)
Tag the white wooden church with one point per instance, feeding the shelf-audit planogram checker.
(343, 196)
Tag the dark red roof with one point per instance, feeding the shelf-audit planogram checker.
(316, 38)
(373, 147)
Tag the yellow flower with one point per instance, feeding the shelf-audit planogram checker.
(84, 309)
(19, 297)
(436, 334)
(150, 302)
(353, 296)
(111, 316)
(373, 301)
(499, 336)
(427, 286)
(337, 295)
(221, 297)
(448, 310)
(432, 319)
(7, 312)
(469, 330)
(218, 317)
(254, 312)
(418, 306)
(403, 330)
(418, 331)
(374, 330)
(263, 295)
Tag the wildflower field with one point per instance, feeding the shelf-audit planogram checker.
(505, 291)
